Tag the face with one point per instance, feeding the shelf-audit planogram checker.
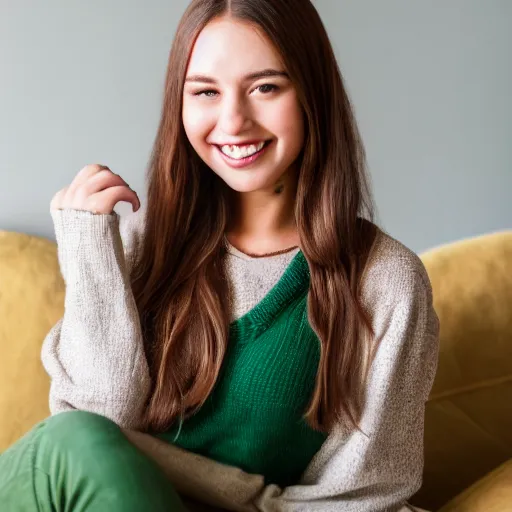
(240, 110)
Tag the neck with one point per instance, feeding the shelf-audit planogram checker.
(265, 219)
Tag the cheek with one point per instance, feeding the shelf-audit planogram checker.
(286, 119)
(196, 122)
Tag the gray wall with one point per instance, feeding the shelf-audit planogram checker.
(81, 82)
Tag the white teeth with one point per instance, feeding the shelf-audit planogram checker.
(238, 152)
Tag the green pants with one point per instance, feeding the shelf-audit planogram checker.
(78, 461)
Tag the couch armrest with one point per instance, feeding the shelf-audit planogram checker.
(492, 493)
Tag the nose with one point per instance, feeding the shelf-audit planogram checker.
(234, 116)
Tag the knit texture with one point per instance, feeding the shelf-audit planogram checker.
(255, 277)
(253, 419)
(94, 356)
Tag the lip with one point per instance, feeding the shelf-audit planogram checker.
(241, 143)
(243, 162)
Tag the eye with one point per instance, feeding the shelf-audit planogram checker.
(267, 88)
(208, 93)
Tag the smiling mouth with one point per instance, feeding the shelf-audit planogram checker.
(241, 153)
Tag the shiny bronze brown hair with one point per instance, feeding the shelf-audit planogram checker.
(179, 281)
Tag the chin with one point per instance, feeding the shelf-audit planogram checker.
(247, 183)
(245, 186)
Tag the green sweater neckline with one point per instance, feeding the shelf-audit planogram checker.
(291, 285)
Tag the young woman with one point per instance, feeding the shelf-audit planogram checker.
(248, 340)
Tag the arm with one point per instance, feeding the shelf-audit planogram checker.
(94, 354)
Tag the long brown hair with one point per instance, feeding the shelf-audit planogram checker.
(179, 281)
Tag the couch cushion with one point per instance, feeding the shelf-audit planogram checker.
(31, 302)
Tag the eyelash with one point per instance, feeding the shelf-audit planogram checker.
(273, 87)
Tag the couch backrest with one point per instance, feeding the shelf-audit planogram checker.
(468, 428)
(31, 302)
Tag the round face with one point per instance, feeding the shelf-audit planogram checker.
(240, 110)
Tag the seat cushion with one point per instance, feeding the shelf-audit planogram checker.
(493, 493)
(31, 302)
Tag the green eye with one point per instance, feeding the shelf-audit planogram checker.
(266, 88)
(209, 93)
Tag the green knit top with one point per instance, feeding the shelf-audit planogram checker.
(253, 419)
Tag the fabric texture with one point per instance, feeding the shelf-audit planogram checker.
(81, 462)
(260, 275)
(95, 358)
(492, 493)
(468, 420)
(31, 297)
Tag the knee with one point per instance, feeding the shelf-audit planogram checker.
(73, 425)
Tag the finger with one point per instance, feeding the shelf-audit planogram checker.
(85, 173)
(57, 200)
(100, 181)
(104, 201)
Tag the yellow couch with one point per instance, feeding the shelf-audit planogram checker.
(468, 435)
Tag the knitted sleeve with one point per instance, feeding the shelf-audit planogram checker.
(94, 354)
(376, 470)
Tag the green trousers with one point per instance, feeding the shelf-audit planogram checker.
(78, 461)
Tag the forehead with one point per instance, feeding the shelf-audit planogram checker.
(227, 49)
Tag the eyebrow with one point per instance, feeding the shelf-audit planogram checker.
(266, 73)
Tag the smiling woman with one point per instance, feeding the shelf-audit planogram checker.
(263, 343)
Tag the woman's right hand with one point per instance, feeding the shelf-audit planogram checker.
(95, 189)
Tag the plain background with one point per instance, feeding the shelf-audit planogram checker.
(431, 81)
